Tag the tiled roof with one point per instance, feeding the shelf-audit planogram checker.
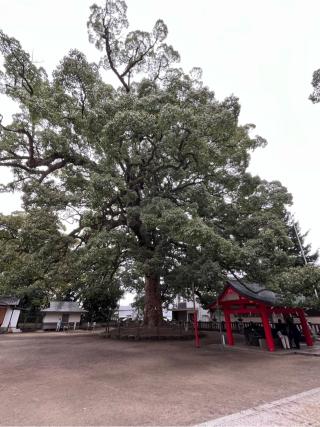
(256, 291)
(64, 307)
(9, 300)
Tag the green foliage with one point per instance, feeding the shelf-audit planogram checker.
(152, 175)
(315, 96)
(299, 285)
(101, 302)
(35, 259)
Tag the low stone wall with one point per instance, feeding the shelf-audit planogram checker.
(141, 333)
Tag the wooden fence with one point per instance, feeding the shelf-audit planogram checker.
(238, 327)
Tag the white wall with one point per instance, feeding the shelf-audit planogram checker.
(11, 316)
(127, 312)
(167, 313)
(313, 319)
(203, 315)
(51, 317)
(74, 317)
(54, 317)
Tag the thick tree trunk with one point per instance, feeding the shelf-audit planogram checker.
(152, 301)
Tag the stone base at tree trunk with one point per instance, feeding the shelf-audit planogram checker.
(143, 333)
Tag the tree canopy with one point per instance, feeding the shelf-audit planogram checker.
(151, 175)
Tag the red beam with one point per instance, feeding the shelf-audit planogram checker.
(244, 311)
(305, 328)
(237, 301)
(267, 329)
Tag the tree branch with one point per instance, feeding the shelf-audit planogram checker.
(137, 60)
(109, 55)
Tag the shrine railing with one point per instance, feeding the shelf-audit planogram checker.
(238, 327)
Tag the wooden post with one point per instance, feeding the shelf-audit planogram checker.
(196, 329)
(230, 339)
(195, 320)
(305, 327)
(267, 329)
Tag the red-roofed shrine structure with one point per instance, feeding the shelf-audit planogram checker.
(240, 298)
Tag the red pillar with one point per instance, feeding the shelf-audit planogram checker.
(267, 329)
(230, 339)
(305, 327)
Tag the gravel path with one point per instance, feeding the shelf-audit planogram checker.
(85, 380)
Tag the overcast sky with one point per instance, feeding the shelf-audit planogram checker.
(263, 51)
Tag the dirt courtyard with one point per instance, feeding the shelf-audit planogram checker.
(87, 380)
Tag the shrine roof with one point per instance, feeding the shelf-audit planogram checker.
(256, 292)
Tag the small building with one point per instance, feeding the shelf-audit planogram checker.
(68, 311)
(125, 312)
(9, 314)
(239, 298)
(183, 309)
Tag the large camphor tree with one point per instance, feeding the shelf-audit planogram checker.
(152, 173)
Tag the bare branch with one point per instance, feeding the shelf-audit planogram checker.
(109, 55)
(20, 166)
(52, 168)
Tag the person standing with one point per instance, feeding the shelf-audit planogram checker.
(294, 333)
(283, 334)
(59, 322)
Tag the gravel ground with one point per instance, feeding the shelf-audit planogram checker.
(60, 379)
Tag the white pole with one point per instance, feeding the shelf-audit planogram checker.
(300, 244)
